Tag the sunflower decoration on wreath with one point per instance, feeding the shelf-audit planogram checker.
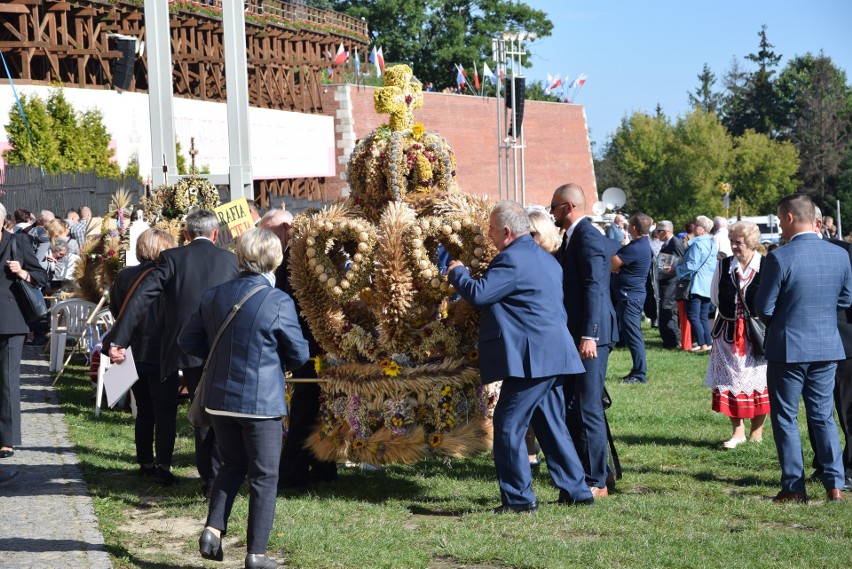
(168, 205)
(102, 258)
(401, 366)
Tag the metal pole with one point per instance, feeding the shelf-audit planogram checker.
(234, 31)
(839, 224)
(497, 47)
(160, 89)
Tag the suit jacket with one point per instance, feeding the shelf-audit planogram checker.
(182, 276)
(844, 316)
(802, 286)
(674, 246)
(12, 321)
(282, 282)
(246, 372)
(586, 273)
(521, 330)
(146, 337)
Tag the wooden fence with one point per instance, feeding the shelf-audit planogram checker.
(25, 187)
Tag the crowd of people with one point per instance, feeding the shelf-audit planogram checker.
(559, 296)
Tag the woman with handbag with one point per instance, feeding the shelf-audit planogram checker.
(737, 370)
(249, 332)
(20, 269)
(694, 274)
(156, 396)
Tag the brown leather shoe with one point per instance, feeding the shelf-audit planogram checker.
(782, 497)
(834, 495)
(599, 492)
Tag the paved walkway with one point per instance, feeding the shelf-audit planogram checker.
(46, 514)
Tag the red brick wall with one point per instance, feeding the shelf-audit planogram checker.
(557, 141)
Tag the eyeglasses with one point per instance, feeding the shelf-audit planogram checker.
(555, 206)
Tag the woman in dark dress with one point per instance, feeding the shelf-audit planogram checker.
(156, 397)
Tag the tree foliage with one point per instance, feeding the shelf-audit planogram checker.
(673, 170)
(754, 99)
(434, 35)
(704, 97)
(818, 106)
(63, 140)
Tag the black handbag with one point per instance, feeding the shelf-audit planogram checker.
(197, 414)
(30, 300)
(755, 328)
(682, 287)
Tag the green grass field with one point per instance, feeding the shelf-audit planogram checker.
(684, 501)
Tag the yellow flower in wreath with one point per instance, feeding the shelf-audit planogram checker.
(319, 363)
(358, 444)
(417, 130)
(435, 440)
(392, 369)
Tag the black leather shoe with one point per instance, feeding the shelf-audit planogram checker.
(164, 477)
(146, 471)
(7, 453)
(255, 561)
(632, 380)
(566, 500)
(848, 486)
(210, 546)
(516, 508)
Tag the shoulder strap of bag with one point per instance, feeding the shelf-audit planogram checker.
(132, 290)
(227, 321)
(13, 256)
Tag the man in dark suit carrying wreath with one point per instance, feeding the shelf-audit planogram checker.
(182, 276)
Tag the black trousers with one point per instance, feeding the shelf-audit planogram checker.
(843, 404)
(156, 418)
(248, 447)
(299, 466)
(668, 324)
(11, 352)
(206, 454)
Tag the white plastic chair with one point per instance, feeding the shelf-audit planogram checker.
(67, 320)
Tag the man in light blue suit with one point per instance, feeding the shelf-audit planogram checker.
(525, 345)
(803, 285)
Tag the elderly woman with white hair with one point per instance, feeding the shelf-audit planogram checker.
(735, 373)
(244, 388)
(696, 268)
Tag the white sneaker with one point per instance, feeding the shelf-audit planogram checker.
(733, 443)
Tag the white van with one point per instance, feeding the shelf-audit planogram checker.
(770, 231)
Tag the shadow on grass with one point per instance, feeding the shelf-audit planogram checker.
(665, 441)
(123, 554)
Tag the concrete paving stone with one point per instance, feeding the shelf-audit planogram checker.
(47, 519)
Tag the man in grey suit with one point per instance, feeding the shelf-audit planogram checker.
(803, 285)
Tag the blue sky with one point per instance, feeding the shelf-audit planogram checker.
(640, 53)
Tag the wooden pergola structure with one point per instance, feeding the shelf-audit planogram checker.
(289, 47)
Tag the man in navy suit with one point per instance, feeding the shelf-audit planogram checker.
(585, 258)
(530, 351)
(803, 285)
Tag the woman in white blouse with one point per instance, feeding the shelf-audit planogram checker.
(735, 373)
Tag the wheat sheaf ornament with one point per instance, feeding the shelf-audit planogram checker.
(400, 368)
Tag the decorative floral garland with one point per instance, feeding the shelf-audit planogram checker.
(168, 205)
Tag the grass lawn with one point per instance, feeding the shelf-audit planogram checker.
(684, 501)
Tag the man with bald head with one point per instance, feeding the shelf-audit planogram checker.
(298, 467)
(585, 259)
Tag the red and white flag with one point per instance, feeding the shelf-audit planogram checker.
(341, 55)
(552, 83)
(579, 81)
(380, 58)
(475, 76)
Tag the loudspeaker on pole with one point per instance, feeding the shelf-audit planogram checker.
(520, 96)
(122, 67)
